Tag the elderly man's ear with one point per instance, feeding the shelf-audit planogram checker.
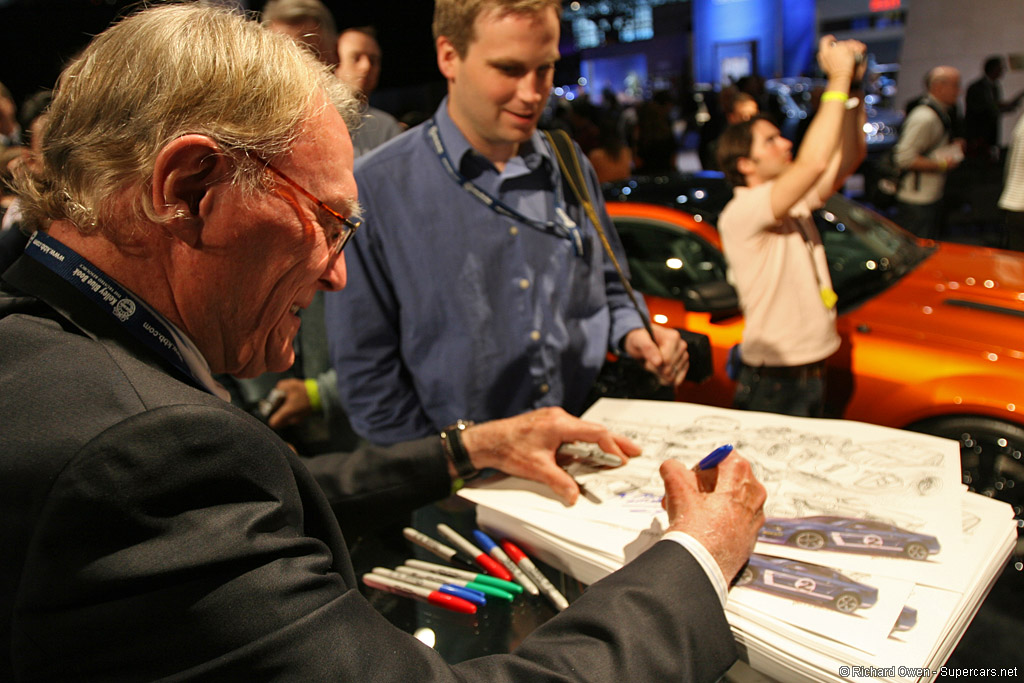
(186, 176)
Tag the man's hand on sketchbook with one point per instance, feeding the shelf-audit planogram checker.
(525, 446)
(726, 518)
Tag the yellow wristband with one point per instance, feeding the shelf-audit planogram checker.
(313, 394)
(834, 96)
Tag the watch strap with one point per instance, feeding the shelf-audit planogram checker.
(451, 441)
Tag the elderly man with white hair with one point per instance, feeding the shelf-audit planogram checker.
(197, 189)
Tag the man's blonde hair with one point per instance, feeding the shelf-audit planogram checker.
(454, 19)
(165, 72)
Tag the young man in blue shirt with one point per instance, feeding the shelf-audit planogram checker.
(479, 289)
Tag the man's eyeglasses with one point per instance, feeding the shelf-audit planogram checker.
(337, 229)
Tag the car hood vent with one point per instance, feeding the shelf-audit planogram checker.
(989, 308)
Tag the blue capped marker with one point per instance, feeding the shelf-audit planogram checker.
(467, 594)
(497, 553)
(713, 458)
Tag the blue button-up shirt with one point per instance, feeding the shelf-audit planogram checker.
(453, 310)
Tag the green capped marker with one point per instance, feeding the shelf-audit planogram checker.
(509, 586)
(489, 591)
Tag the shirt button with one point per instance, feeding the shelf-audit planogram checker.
(524, 284)
(535, 335)
(544, 388)
(513, 230)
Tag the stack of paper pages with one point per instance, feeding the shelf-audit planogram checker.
(872, 562)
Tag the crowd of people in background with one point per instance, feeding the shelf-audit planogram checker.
(952, 163)
(676, 127)
(479, 305)
(198, 188)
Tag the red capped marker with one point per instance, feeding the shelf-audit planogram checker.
(489, 564)
(530, 569)
(449, 602)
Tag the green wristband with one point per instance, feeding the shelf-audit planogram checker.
(313, 394)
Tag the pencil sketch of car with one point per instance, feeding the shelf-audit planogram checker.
(807, 582)
(848, 534)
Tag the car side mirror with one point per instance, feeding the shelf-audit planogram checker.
(717, 297)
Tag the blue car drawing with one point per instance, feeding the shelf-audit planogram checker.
(848, 534)
(806, 582)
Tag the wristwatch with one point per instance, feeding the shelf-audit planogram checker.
(451, 441)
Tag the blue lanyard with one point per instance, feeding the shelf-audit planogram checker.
(563, 224)
(126, 308)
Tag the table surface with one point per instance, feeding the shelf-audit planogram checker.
(496, 628)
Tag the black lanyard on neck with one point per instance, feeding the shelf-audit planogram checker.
(125, 307)
(563, 225)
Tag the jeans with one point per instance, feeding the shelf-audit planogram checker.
(924, 220)
(798, 391)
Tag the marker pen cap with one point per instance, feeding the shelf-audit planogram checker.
(484, 540)
(493, 567)
(444, 600)
(489, 591)
(467, 594)
(515, 553)
(451, 602)
(433, 582)
(510, 586)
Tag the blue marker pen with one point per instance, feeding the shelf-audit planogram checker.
(497, 553)
(713, 458)
(467, 594)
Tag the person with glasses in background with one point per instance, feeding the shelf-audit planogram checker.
(197, 190)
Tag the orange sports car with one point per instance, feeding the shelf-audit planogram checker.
(932, 333)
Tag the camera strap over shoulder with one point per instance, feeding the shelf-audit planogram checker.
(569, 164)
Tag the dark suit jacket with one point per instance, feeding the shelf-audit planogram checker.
(983, 112)
(151, 530)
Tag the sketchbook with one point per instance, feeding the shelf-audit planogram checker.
(873, 554)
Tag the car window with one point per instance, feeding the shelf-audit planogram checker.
(665, 260)
(704, 194)
(866, 253)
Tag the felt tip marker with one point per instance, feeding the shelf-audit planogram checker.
(590, 453)
(713, 458)
(510, 586)
(467, 594)
(407, 590)
(484, 560)
(489, 591)
(530, 569)
(497, 553)
(436, 547)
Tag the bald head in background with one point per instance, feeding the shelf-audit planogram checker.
(309, 22)
(944, 84)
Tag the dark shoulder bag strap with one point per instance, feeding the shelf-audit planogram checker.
(569, 163)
